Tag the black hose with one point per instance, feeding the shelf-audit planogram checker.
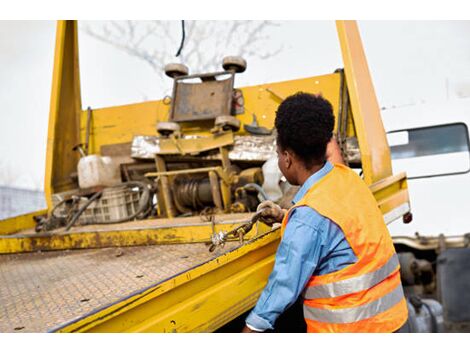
(143, 204)
(82, 209)
(182, 39)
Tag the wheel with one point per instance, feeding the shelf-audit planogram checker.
(227, 122)
(176, 70)
(234, 63)
(167, 128)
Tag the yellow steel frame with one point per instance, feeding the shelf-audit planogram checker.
(196, 145)
(375, 152)
(20, 222)
(64, 121)
(119, 124)
(149, 234)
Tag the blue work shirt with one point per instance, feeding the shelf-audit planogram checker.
(312, 245)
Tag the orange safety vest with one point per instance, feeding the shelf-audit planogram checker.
(366, 296)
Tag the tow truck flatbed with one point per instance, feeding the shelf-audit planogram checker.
(78, 290)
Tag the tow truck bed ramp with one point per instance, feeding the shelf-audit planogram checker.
(125, 289)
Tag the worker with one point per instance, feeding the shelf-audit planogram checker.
(336, 252)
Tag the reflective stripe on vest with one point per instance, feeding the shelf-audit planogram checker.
(354, 284)
(355, 314)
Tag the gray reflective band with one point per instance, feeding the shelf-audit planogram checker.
(354, 284)
(351, 315)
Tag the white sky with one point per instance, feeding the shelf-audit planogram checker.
(410, 62)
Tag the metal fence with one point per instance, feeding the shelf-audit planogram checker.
(17, 201)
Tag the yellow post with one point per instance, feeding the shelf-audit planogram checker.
(375, 152)
(64, 116)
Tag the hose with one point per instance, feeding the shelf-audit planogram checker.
(258, 188)
(143, 204)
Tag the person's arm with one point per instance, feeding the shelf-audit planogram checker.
(297, 257)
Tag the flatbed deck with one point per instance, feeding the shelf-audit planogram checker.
(44, 291)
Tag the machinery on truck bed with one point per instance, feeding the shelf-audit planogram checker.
(153, 229)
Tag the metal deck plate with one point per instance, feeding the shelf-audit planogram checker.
(40, 291)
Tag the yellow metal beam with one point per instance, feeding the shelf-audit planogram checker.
(392, 196)
(375, 152)
(154, 232)
(20, 222)
(64, 116)
(119, 124)
(197, 145)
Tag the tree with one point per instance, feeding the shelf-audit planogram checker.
(205, 44)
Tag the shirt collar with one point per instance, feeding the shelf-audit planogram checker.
(317, 176)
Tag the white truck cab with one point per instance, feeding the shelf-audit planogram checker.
(430, 142)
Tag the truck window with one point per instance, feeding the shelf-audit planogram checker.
(430, 151)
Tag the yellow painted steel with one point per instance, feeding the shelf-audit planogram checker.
(64, 121)
(20, 222)
(391, 193)
(196, 145)
(120, 124)
(200, 300)
(375, 152)
(105, 237)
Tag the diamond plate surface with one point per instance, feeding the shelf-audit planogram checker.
(39, 291)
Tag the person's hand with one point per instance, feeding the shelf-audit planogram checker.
(271, 212)
(247, 329)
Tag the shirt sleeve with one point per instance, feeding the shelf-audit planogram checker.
(297, 258)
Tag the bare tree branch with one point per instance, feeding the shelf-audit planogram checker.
(207, 42)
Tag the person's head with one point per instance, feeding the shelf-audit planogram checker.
(304, 124)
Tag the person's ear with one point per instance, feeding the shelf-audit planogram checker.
(287, 159)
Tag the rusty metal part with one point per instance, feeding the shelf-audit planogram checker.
(234, 63)
(219, 239)
(256, 129)
(176, 70)
(238, 207)
(244, 148)
(251, 175)
(164, 189)
(193, 193)
(238, 102)
(215, 190)
(166, 128)
(343, 113)
(224, 185)
(227, 122)
(352, 153)
(219, 170)
(203, 100)
(88, 126)
(136, 233)
(167, 146)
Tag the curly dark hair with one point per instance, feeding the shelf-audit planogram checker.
(304, 124)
